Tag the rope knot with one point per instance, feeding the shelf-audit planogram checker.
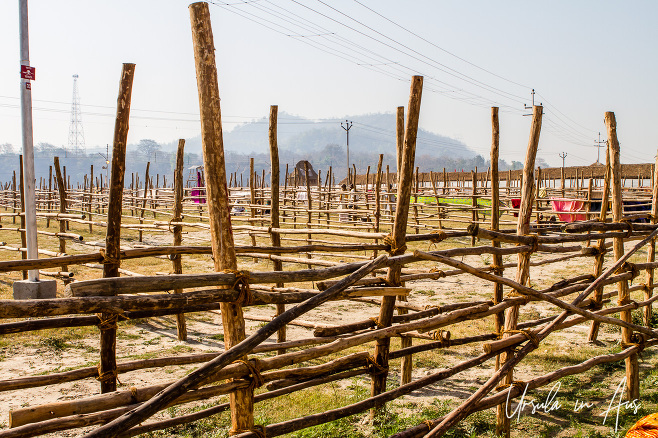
(373, 368)
(394, 249)
(241, 284)
(253, 365)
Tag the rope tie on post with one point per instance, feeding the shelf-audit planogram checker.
(107, 259)
(441, 273)
(108, 321)
(429, 424)
(432, 306)
(517, 294)
(241, 284)
(373, 368)
(394, 250)
(516, 383)
(497, 269)
(258, 430)
(629, 232)
(437, 335)
(438, 236)
(376, 321)
(253, 365)
(632, 268)
(133, 393)
(107, 375)
(530, 336)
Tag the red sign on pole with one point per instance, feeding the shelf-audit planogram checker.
(27, 72)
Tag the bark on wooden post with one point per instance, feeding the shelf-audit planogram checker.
(499, 318)
(176, 261)
(523, 228)
(62, 207)
(399, 230)
(107, 370)
(399, 142)
(600, 256)
(91, 195)
(252, 199)
(274, 208)
(223, 248)
(632, 366)
(147, 181)
(651, 248)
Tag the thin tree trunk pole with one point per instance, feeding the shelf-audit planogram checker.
(274, 208)
(62, 208)
(632, 366)
(177, 261)
(107, 370)
(600, 257)
(147, 181)
(523, 226)
(399, 229)
(399, 143)
(502, 422)
(223, 247)
(651, 249)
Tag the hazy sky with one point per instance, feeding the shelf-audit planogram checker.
(325, 59)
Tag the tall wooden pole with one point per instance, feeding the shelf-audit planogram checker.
(651, 248)
(221, 232)
(632, 366)
(502, 423)
(107, 370)
(399, 230)
(522, 229)
(62, 207)
(399, 142)
(274, 207)
(600, 256)
(176, 260)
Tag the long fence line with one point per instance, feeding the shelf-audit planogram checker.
(388, 216)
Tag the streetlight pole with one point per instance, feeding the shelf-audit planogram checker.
(347, 126)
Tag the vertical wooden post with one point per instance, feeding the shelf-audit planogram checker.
(399, 142)
(147, 181)
(651, 248)
(108, 365)
(378, 191)
(632, 367)
(62, 207)
(50, 196)
(399, 230)
(600, 256)
(523, 228)
(223, 248)
(176, 259)
(274, 207)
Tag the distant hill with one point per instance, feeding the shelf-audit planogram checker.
(369, 133)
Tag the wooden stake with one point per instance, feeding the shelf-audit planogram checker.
(107, 368)
(274, 208)
(176, 260)
(399, 229)
(523, 228)
(632, 366)
(223, 247)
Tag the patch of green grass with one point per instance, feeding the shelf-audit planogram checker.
(54, 343)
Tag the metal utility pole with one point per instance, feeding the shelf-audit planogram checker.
(347, 126)
(562, 155)
(76, 133)
(598, 145)
(27, 75)
(32, 287)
